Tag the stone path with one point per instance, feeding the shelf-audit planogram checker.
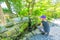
(54, 33)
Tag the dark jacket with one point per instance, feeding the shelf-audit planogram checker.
(46, 26)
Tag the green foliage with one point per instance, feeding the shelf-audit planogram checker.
(17, 5)
(1, 1)
(5, 10)
(23, 12)
(39, 8)
(23, 27)
(6, 39)
(36, 12)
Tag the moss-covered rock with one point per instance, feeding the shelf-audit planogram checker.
(2, 28)
(9, 24)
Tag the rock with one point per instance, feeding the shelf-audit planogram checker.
(2, 28)
(25, 19)
(37, 31)
(16, 20)
(33, 32)
(29, 35)
(9, 24)
(24, 38)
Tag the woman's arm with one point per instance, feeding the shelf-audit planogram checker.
(41, 24)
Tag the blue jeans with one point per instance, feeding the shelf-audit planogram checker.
(42, 30)
(47, 33)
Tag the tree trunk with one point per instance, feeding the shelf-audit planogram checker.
(29, 14)
(2, 16)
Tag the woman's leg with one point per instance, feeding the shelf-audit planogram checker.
(47, 33)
